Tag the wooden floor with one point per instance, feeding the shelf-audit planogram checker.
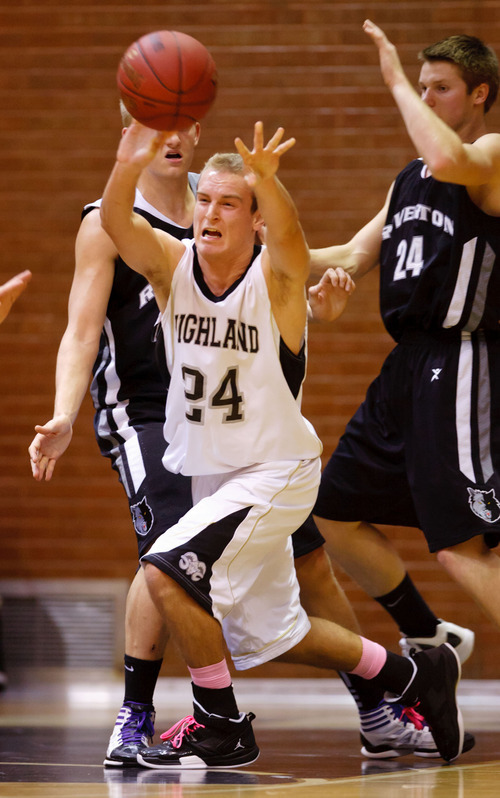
(54, 728)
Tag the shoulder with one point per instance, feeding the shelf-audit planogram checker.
(91, 236)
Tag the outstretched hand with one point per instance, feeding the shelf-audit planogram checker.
(263, 161)
(10, 291)
(139, 144)
(329, 297)
(50, 442)
(390, 65)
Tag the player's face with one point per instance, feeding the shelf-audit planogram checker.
(223, 218)
(177, 154)
(444, 90)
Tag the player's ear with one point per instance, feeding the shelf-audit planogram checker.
(258, 221)
(124, 130)
(197, 132)
(480, 93)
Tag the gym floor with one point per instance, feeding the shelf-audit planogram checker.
(55, 725)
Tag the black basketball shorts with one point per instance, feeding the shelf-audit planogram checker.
(156, 497)
(423, 449)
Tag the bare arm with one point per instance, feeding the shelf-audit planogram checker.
(286, 258)
(448, 157)
(359, 255)
(153, 253)
(90, 291)
(11, 290)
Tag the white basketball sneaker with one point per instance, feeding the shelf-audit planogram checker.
(460, 638)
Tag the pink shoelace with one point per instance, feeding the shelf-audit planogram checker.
(410, 714)
(181, 728)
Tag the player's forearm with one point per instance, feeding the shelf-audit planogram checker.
(440, 147)
(331, 258)
(73, 372)
(285, 238)
(117, 204)
(277, 208)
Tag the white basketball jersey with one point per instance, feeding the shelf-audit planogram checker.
(229, 404)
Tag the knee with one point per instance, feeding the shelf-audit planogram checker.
(158, 583)
(337, 532)
(314, 568)
(455, 558)
(445, 557)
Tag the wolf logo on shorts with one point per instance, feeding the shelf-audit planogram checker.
(142, 517)
(484, 504)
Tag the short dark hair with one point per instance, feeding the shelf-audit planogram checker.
(476, 61)
(229, 162)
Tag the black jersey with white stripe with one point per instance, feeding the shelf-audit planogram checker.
(127, 387)
(439, 262)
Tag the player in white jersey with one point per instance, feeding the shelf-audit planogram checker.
(114, 342)
(226, 349)
(229, 559)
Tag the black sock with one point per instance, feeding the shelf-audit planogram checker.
(366, 694)
(411, 613)
(396, 673)
(218, 701)
(141, 676)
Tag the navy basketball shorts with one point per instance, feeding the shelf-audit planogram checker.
(423, 449)
(156, 497)
(232, 553)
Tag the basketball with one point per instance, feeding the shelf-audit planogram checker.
(167, 80)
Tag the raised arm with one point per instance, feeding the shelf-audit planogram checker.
(449, 156)
(93, 278)
(285, 241)
(286, 258)
(149, 251)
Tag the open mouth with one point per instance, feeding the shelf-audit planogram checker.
(173, 156)
(210, 232)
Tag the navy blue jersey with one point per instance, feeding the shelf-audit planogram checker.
(127, 387)
(438, 261)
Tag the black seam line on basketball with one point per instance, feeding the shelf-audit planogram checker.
(165, 103)
(180, 92)
(176, 104)
(202, 76)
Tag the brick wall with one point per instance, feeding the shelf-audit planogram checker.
(304, 65)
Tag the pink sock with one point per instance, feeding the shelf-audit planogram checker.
(212, 676)
(372, 660)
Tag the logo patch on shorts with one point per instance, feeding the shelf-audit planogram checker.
(142, 516)
(484, 504)
(193, 567)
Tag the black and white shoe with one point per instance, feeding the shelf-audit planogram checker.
(433, 688)
(204, 741)
(391, 730)
(133, 731)
(459, 637)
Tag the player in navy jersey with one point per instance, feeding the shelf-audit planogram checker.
(234, 321)
(109, 341)
(423, 450)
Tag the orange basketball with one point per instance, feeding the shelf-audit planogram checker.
(167, 80)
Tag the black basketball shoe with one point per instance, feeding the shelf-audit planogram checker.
(204, 741)
(433, 687)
